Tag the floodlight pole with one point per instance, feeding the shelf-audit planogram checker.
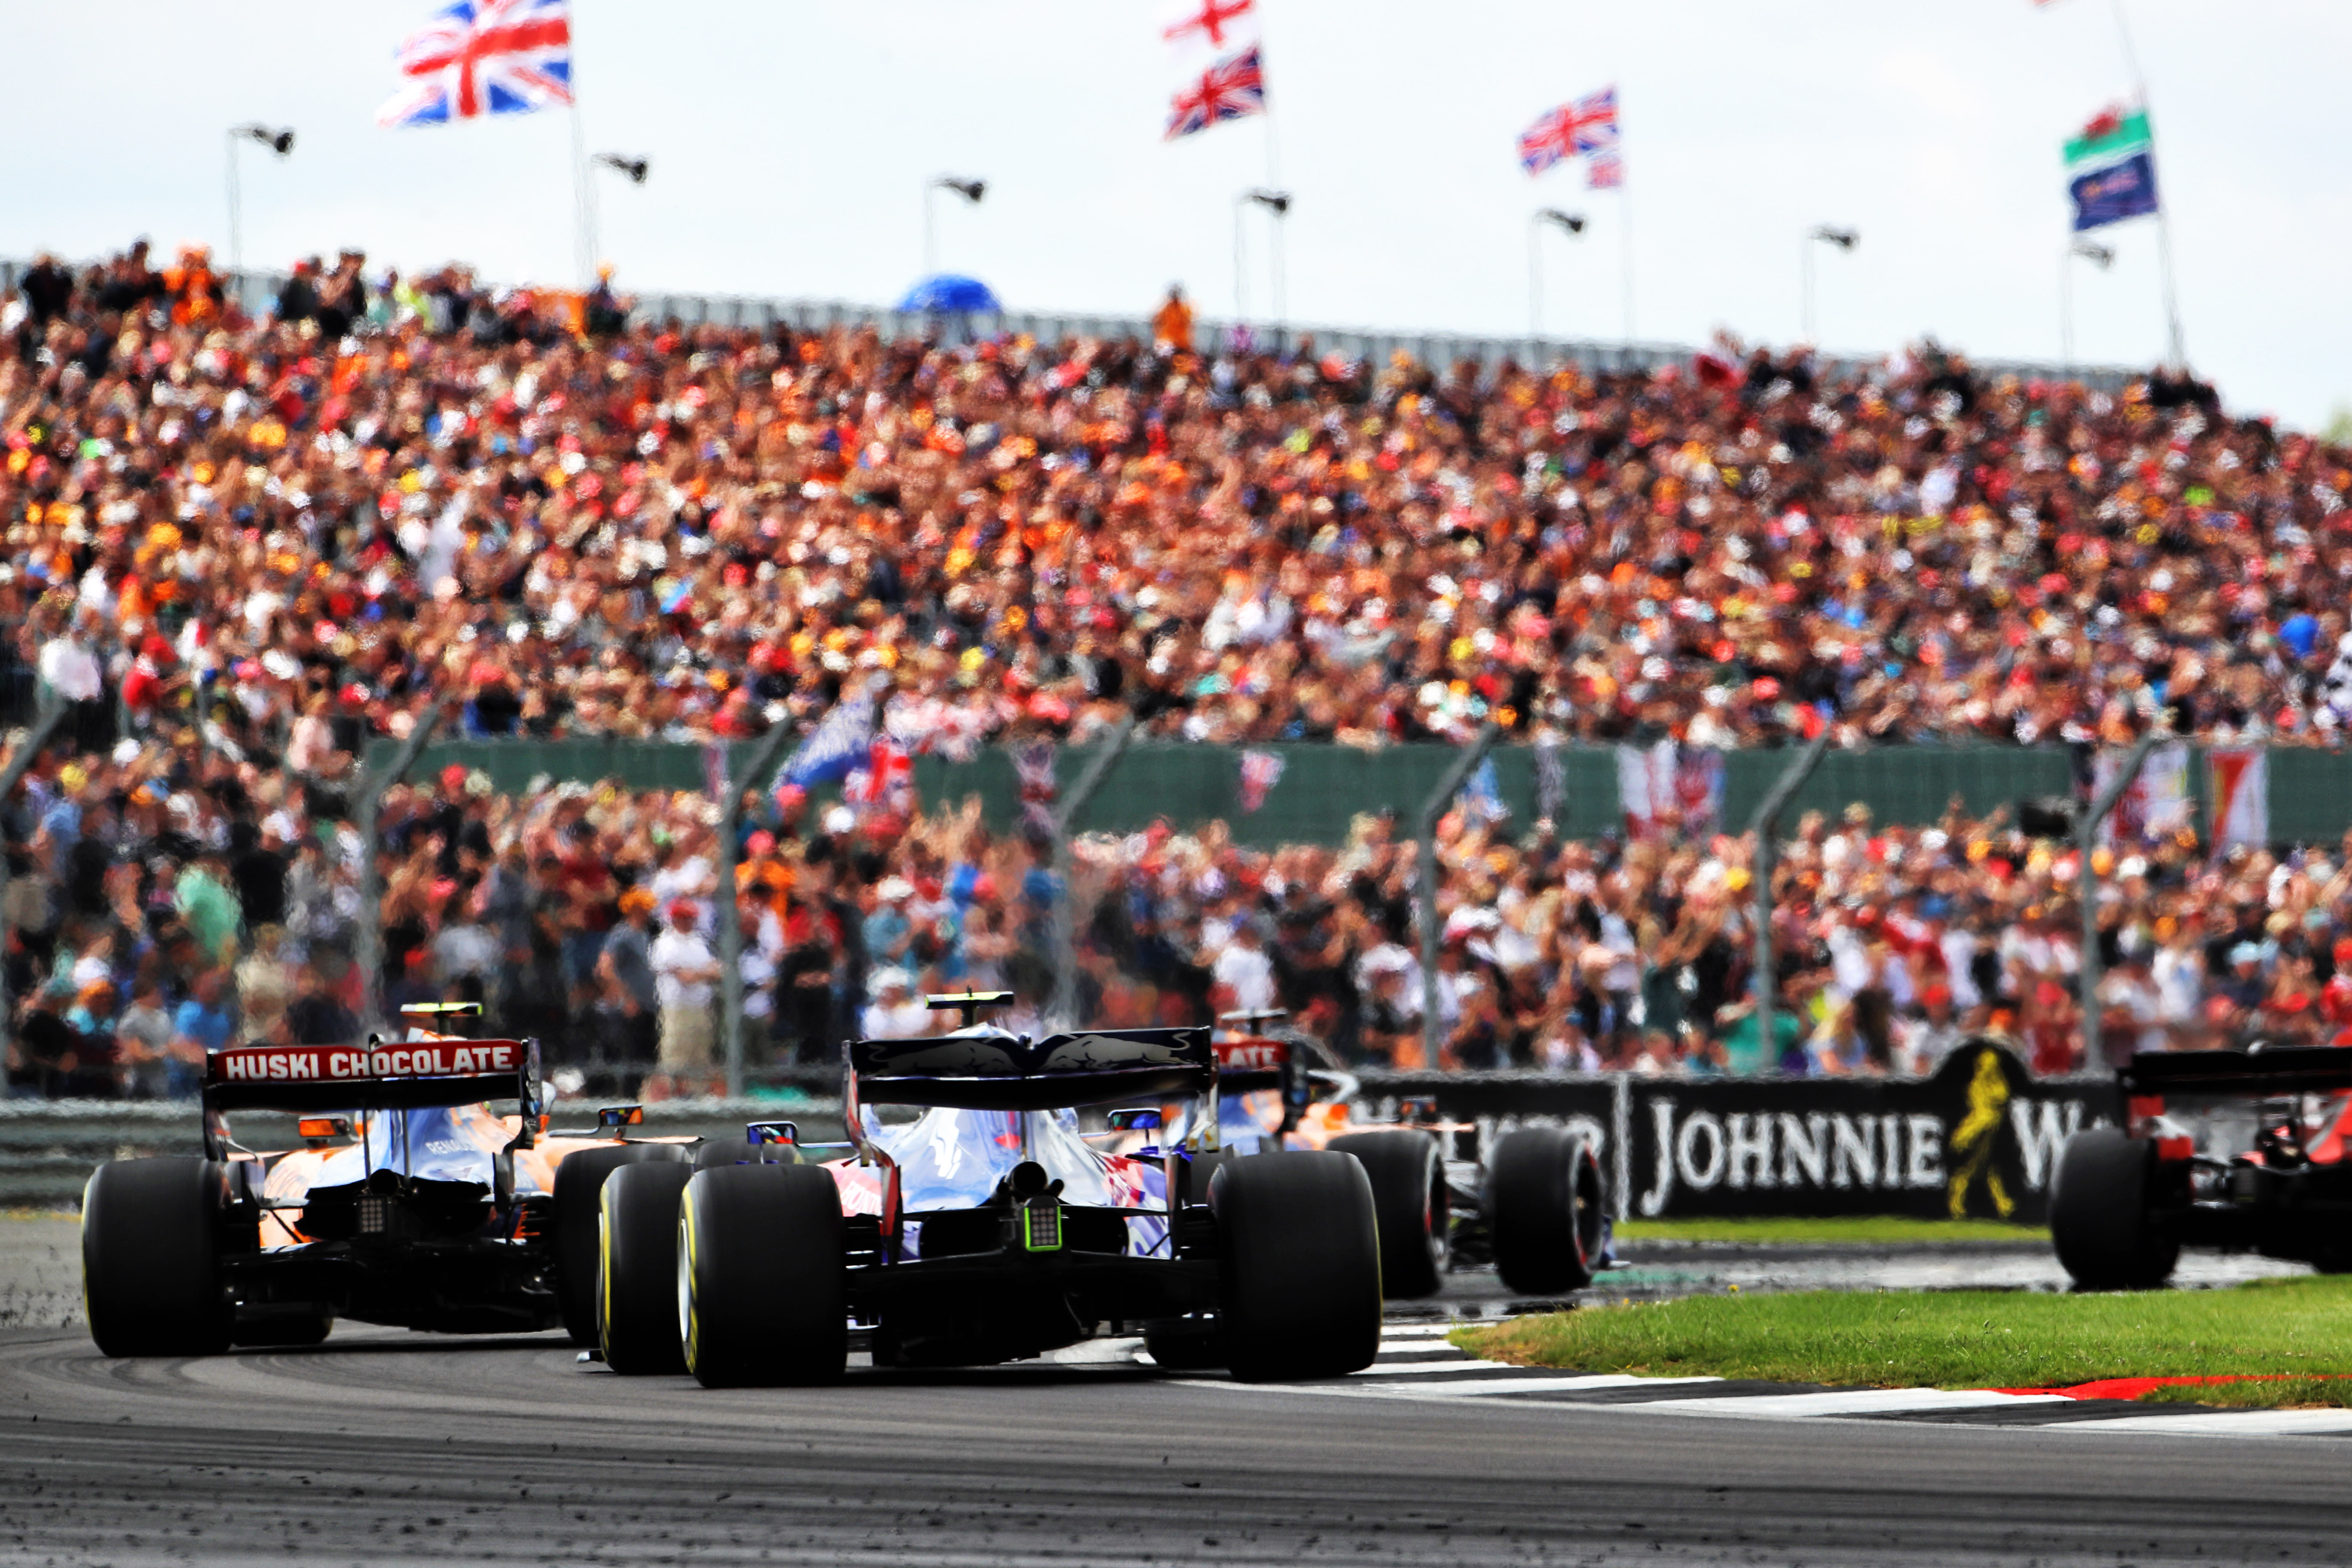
(731, 914)
(365, 814)
(37, 736)
(1766, 827)
(1426, 826)
(2086, 886)
(1062, 1011)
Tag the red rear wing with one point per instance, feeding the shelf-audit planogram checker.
(1251, 1055)
(389, 1074)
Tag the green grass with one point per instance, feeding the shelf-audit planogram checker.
(1857, 1230)
(1961, 1339)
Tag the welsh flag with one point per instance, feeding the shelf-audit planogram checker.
(2111, 170)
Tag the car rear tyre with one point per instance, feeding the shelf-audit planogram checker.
(1409, 1204)
(636, 1273)
(149, 1242)
(2099, 1221)
(761, 1288)
(1545, 1207)
(579, 1193)
(1301, 1283)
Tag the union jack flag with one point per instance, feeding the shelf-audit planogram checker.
(1233, 89)
(1584, 125)
(1261, 771)
(494, 57)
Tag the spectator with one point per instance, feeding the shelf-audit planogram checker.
(896, 1012)
(624, 970)
(144, 1037)
(317, 1016)
(685, 973)
(1172, 326)
(202, 1024)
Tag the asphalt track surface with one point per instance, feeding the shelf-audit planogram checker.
(381, 1446)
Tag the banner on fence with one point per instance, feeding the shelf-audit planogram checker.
(1979, 1140)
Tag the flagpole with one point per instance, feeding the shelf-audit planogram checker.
(583, 202)
(2163, 222)
(1273, 183)
(1625, 240)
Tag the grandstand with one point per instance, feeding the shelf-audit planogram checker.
(247, 536)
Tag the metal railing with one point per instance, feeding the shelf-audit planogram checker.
(256, 292)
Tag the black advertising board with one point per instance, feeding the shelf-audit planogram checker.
(1979, 1138)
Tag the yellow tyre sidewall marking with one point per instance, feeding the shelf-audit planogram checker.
(604, 1276)
(691, 1328)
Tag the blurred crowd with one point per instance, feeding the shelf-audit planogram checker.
(166, 901)
(240, 548)
(386, 486)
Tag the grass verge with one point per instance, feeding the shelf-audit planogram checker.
(1861, 1230)
(1963, 1339)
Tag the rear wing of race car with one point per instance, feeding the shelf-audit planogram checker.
(2264, 1072)
(383, 1074)
(989, 1071)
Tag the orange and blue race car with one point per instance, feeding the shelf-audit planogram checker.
(1534, 1206)
(990, 1205)
(425, 1193)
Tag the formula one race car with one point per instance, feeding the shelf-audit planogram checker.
(413, 1201)
(1536, 1208)
(994, 1225)
(2244, 1151)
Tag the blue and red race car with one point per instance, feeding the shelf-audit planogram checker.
(992, 1202)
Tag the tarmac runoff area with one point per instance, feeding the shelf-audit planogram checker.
(383, 1446)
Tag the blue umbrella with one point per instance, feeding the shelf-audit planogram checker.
(949, 291)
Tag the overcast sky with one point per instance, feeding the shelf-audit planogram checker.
(790, 143)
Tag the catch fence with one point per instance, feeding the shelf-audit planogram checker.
(256, 292)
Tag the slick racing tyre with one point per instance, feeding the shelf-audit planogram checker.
(1300, 1285)
(149, 1240)
(637, 1270)
(1408, 1202)
(2099, 1221)
(759, 1294)
(1546, 1208)
(579, 1190)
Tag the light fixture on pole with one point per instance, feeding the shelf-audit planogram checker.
(970, 190)
(2098, 256)
(1279, 204)
(634, 169)
(1844, 239)
(1570, 224)
(280, 142)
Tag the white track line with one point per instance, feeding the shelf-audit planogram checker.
(2225, 1424)
(1473, 1388)
(1851, 1401)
